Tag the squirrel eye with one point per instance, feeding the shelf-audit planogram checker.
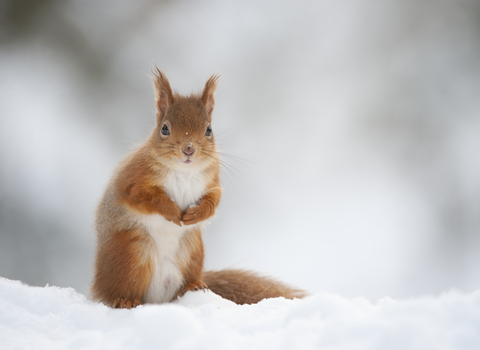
(208, 132)
(165, 130)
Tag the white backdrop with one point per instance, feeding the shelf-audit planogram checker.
(356, 125)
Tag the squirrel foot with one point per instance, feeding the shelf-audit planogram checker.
(192, 286)
(126, 303)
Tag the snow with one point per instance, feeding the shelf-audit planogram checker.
(60, 318)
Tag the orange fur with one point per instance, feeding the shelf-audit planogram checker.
(127, 255)
(122, 270)
(246, 287)
(191, 265)
(138, 188)
(175, 175)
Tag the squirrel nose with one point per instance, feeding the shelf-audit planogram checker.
(188, 150)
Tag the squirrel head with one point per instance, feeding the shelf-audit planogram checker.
(183, 134)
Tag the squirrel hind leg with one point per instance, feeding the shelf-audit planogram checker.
(123, 269)
(247, 287)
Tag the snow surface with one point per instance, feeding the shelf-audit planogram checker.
(61, 318)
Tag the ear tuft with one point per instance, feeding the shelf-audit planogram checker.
(208, 95)
(163, 92)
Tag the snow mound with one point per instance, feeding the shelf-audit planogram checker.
(61, 318)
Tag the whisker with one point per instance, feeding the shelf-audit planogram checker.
(229, 147)
(224, 131)
(228, 177)
(231, 166)
(225, 164)
(217, 160)
(226, 167)
(237, 159)
(232, 157)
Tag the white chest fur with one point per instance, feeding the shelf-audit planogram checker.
(185, 188)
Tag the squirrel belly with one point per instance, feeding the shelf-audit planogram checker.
(171, 255)
(175, 246)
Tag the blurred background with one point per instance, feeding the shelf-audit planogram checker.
(350, 132)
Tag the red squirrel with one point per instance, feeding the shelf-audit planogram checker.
(148, 223)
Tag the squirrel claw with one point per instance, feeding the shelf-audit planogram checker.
(126, 303)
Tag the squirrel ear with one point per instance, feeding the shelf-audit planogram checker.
(163, 92)
(208, 97)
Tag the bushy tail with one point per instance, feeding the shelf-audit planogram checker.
(247, 287)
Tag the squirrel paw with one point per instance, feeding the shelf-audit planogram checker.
(193, 215)
(192, 286)
(175, 217)
(125, 303)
